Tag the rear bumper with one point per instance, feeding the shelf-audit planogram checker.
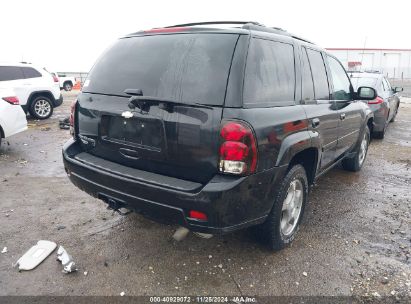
(59, 101)
(231, 203)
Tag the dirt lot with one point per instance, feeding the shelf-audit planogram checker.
(355, 238)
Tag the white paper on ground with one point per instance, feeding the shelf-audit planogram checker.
(35, 255)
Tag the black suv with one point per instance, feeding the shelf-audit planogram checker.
(215, 129)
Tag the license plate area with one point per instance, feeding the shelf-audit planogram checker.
(142, 133)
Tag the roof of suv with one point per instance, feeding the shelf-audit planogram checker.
(244, 27)
(20, 64)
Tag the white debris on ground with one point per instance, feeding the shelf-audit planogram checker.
(66, 260)
(4, 250)
(180, 234)
(35, 255)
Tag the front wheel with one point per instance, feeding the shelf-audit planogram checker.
(283, 222)
(355, 163)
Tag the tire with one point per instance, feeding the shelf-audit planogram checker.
(381, 134)
(67, 86)
(355, 163)
(395, 115)
(278, 232)
(41, 107)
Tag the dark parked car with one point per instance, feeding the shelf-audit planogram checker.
(216, 129)
(385, 105)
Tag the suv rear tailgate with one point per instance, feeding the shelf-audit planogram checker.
(178, 137)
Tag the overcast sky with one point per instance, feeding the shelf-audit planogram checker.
(69, 35)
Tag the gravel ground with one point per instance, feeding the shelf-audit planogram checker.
(354, 240)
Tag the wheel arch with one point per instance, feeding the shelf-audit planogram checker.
(308, 158)
(36, 94)
(370, 124)
(300, 148)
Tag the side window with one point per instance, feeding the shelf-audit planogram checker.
(341, 83)
(10, 73)
(307, 89)
(30, 72)
(270, 72)
(319, 75)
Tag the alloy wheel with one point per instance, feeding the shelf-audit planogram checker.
(42, 108)
(291, 210)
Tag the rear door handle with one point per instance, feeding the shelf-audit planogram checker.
(342, 116)
(315, 122)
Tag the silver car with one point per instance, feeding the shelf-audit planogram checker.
(385, 106)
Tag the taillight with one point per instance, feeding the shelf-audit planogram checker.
(14, 100)
(72, 117)
(197, 215)
(238, 150)
(377, 100)
(55, 78)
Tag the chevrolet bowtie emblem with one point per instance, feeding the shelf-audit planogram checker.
(127, 114)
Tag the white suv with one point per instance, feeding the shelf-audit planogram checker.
(37, 90)
(12, 117)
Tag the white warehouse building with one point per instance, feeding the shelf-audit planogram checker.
(395, 63)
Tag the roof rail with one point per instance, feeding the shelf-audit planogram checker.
(249, 25)
(302, 39)
(214, 22)
(262, 28)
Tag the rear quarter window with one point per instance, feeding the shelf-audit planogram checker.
(30, 72)
(270, 72)
(191, 68)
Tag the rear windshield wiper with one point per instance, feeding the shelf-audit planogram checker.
(137, 100)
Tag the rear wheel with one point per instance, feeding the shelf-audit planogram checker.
(355, 163)
(67, 86)
(41, 107)
(283, 222)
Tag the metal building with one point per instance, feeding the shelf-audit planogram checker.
(395, 63)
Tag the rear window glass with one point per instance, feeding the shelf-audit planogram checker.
(191, 68)
(363, 82)
(10, 73)
(270, 75)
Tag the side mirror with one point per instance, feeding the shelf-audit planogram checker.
(398, 89)
(366, 93)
